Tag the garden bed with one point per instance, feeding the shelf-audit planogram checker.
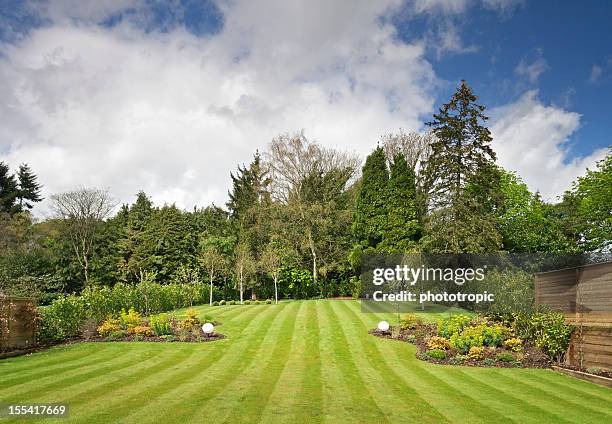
(498, 356)
(603, 378)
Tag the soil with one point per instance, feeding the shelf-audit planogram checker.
(601, 373)
(530, 357)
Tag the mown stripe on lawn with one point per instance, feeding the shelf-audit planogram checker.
(382, 378)
(363, 404)
(434, 390)
(297, 396)
(125, 360)
(250, 392)
(573, 387)
(575, 410)
(38, 373)
(179, 403)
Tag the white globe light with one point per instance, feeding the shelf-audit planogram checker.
(383, 326)
(208, 328)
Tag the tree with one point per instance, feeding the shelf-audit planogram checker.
(402, 230)
(82, 212)
(212, 257)
(311, 181)
(9, 190)
(461, 178)
(271, 262)
(371, 208)
(243, 265)
(29, 189)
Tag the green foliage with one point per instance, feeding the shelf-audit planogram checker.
(552, 334)
(410, 321)
(231, 302)
(61, 319)
(436, 354)
(469, 337)
(505, 357)
(215, 303)
(191, 320)
(9, 190)
(370, 217)
(268, 301)
(488, 362)
(117, 335)
(247, 302)
(161, 325)
(222, 302)
(493, 335)
(452, 325)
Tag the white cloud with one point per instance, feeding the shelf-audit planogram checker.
(531, 139)
(455, 7)
(596, 72)
(448, 40)
(532, 70)
(173, 114)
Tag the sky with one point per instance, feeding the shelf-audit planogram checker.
(169, 97)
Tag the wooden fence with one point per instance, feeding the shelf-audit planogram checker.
(17, 323)
(584, 295)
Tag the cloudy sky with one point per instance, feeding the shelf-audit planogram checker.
(169, 97)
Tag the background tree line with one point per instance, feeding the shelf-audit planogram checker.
(300, 216)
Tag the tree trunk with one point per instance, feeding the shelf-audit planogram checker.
(241, 289)
(275, 290)
(86, 269)
(211, 287)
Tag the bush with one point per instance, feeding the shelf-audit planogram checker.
(191, 320)
(488, 362)
(494, 335)
(553, 335)
(436, 354)
(61, 319)
(109, 326)
(268, 301)
(118, 335)
(458, 359)
(130, 319)
(256, 302)
(161, 325)
(215, 303)
(437, 342)
(221, 302)
(410, 321)
(469, 337)
(231, 302)
(447, 327)
(411, 338)
(514, 344)
(142, 331)
(476, 353)
(505, 357)
(247, 302)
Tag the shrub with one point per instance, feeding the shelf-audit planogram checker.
(437, 342)
(476, 353)
(410, 321)
(553, 335)
(411, 338)
(452, 325)
(118, 335)
(191, 320)
(505, 357)
(469, 337)
(142, 331)
(457, 359)
(130, 319)
(268, 301)
(207, 318)
(256, 302)
(109, 326)
(161, 325)
(221, 302)
(231, 302)
(494, 335)
(514, 344)
(61, 319)
(436, 354)
(215, 303)
(488, 362)
(247, 302)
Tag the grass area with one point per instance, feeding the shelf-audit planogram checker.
(307, 361)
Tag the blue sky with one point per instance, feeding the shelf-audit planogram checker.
(171, 95)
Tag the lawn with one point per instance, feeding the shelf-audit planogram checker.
(308, 361)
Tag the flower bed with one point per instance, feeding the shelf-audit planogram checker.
(461, 340)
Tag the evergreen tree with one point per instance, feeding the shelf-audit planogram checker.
(370, 218)
(462, 179)
(29, 189)
(403, 229)
(9, 190)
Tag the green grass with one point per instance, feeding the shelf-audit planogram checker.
(296, 362)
